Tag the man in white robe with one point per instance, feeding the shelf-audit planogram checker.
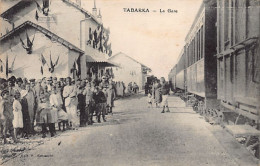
(70, 96)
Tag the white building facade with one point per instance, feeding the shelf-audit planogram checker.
(65, 22)
(129, 70)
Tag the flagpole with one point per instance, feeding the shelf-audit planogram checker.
(6, 66)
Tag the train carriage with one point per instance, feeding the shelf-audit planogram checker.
(181, 72)
(219, 67)
(200, 62)
(238, 56)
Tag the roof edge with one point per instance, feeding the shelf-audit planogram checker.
(83, 11)
(45, 31)
(130, 58)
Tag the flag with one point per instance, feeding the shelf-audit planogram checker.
(45, 3)
(95, 35)
(109, 46)
(45, 7)
(29, 43)
(7, 30)
(6, 66)
(12, 67)
(76, 66)
(56, 63)
(51, 61)
(42, 70)
(110, 53)
(90, 34)
(1, 63)
(100, 40)
(43, 60)
(36, 15)
(38, 6)
(13, 26)
(22, 43)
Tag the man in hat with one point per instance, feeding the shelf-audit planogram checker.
(11, 88)
(103, 83)
(100, 101)
(54, 81)
(6, 116)
(38, 88)
(165, 89)
(19, 83)
(80, 85)
(32, 86)
(3, 83)
(49, 84)
(33, 89)
(90, 103)
(70, 96)
(26, 116)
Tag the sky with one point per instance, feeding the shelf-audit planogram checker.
(154, 39)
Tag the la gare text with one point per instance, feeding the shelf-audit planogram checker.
(146, 10)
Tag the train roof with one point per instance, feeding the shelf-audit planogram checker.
(202, 7)
(195, 19)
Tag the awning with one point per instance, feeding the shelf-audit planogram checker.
(94, 56)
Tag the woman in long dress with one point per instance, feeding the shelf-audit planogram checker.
(18, 115)
(58, 102)
(31, 105)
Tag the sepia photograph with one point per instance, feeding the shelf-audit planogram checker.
(130, 82)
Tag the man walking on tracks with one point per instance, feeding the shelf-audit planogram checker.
(165, 89)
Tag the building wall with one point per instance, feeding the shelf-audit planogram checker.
(63, 19)
(129, 71)
(88, 23)
(29, 65)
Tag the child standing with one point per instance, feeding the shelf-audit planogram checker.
(149, 100)
(6, 116)
(46, 118)
(18, 115)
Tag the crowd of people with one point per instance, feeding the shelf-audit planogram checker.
(120, 88)
(158, 94)
(50, 102)
(133, 87)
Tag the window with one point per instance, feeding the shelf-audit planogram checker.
(226, 22)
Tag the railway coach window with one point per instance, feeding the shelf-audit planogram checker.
(226, 23)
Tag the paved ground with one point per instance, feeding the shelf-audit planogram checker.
(136, 135)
